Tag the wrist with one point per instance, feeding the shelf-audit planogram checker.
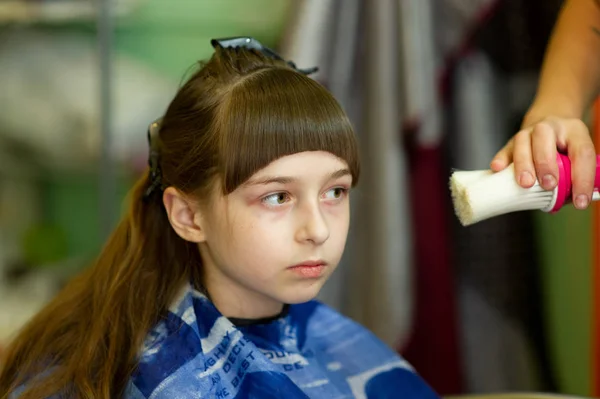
(557, 107)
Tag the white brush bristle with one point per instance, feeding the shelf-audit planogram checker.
(482, 194)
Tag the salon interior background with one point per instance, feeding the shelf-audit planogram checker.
(431, 85)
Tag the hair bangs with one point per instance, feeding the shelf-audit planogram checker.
(277, 112)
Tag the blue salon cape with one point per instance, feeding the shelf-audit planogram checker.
(310, 352)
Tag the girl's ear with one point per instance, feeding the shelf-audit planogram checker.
(184, 215)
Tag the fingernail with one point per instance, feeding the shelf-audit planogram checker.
(582, 201)
(548, 181)
(526, 179)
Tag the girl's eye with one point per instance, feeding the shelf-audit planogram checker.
(336, 193)
(276, 199)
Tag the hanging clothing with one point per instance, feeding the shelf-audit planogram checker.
(308, 351)
(435, 352)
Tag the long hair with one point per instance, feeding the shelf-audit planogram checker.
(236, 114)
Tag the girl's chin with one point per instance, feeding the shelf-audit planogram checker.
(301, 292)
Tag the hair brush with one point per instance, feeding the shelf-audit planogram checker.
(482, 194)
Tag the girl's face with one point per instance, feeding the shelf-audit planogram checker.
(278, 237)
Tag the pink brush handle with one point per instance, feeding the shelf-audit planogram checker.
(564, 180)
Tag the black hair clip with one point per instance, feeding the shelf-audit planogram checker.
(155, 175)
(251, 43)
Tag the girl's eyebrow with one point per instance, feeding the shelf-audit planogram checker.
(264, 180)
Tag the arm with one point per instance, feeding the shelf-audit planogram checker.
(570, 76)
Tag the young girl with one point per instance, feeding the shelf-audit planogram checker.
(205, 289)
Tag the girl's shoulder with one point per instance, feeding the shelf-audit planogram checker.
(352, 352)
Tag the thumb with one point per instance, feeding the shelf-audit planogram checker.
(503, 157)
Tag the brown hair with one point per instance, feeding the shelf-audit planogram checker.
(238, 113)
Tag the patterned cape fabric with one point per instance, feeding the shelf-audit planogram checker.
(309, 351)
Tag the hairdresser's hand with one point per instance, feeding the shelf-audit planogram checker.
(533, 151)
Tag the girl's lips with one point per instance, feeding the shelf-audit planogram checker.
(309, 269)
